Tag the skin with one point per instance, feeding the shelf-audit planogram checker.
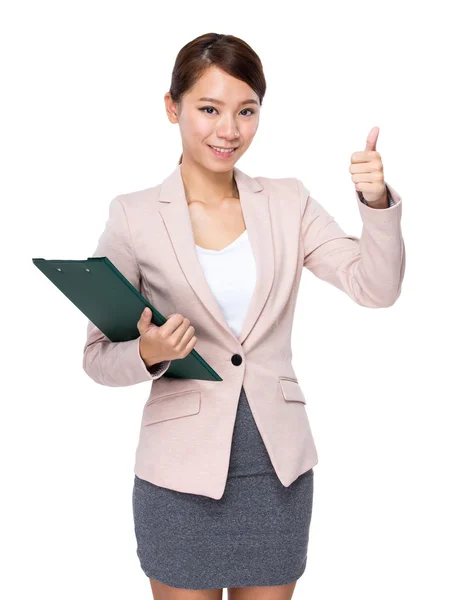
(216, 213)
(212, 198)
(217, 220)
(161, 591)
(367, 172)
(208, 180)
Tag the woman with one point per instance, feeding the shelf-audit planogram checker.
(217, 506)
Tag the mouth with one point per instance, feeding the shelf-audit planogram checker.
(224, 153)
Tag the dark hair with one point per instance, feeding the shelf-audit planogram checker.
(227, 52)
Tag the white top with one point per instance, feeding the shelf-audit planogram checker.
(231, 275)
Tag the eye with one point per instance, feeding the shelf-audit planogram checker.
(211, 107)
(207, 108)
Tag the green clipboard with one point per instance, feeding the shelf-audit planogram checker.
(113, 304)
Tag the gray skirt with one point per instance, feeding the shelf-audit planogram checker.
(255, 535)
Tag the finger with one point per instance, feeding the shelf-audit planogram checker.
(372, 139)
(182, 333)
(365, 156)
(366, 167)
(187, 336)
(172, 323)
(368, 177)
(145, 318)
(366, 187)
(190, 346)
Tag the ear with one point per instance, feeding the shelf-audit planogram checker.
(171, 108)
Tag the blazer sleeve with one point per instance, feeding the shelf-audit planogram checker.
(370, 269)
(117, 364)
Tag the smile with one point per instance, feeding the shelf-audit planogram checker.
(225, 153)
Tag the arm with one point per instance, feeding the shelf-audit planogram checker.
(370, 269)
(118, 364)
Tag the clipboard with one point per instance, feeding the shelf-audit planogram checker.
(112, 303)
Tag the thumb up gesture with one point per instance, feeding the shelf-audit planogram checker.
(368, 172)
(174, 339)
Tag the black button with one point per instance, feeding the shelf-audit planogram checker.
(236, 359)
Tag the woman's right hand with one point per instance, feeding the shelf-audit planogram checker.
(172, 340)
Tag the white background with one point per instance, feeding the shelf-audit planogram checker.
(83, 120)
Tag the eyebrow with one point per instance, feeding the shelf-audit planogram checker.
(215, 101)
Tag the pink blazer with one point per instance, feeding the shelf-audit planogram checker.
(187, 425)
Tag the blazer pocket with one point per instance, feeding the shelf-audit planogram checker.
(172, 406)
(291, 390)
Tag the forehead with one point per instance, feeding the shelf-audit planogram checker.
(216, 83)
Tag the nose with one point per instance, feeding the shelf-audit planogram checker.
(228, 129)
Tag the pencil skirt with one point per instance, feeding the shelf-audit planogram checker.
(255, 535)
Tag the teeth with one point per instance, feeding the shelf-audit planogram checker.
(223, 150)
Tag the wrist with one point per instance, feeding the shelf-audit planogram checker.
(147, 359)
(383, 202)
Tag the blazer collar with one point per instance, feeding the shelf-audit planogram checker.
(256, 212)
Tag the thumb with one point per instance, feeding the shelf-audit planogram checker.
(372, 139)
(146, 315)
(144, 323)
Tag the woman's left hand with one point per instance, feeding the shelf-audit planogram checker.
(368, 171)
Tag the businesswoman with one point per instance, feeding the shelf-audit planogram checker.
(223, 487)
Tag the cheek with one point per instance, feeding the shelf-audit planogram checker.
(249, 130)
(197, 129)
(204, 128)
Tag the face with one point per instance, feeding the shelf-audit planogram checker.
(230, 122)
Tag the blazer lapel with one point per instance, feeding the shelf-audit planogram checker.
(256, 211)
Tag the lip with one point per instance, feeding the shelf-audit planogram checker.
(223, 155)
(224, 147)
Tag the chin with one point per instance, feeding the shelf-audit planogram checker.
(214, 165)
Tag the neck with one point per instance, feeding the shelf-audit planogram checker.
(207, 186)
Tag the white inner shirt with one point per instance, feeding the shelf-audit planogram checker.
(231, 275)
